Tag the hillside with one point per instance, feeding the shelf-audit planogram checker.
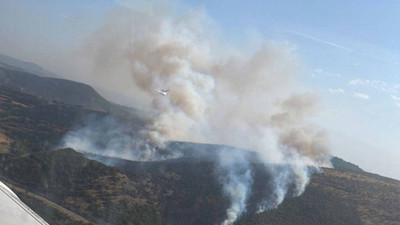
(60, 90)
(30, 124)
(338, 197)
(180, 191)
(187, 192)
(100, 193)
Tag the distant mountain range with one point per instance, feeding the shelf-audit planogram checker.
(55, 89)
(67, 187)
(17, 64)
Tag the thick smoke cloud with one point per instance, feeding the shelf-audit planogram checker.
(218, 94)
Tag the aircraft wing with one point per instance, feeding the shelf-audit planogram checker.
(14, 211)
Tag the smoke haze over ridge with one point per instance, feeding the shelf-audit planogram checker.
(218, 94)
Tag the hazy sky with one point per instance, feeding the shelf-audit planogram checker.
(350, 52)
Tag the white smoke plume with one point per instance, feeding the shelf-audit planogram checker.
(110, 137)
(218, 94)
(235, 176)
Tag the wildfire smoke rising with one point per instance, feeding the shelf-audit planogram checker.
(218, 94)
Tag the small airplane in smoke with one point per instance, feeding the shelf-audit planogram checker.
(163, 92)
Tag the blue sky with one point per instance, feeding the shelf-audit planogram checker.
(350, 52)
